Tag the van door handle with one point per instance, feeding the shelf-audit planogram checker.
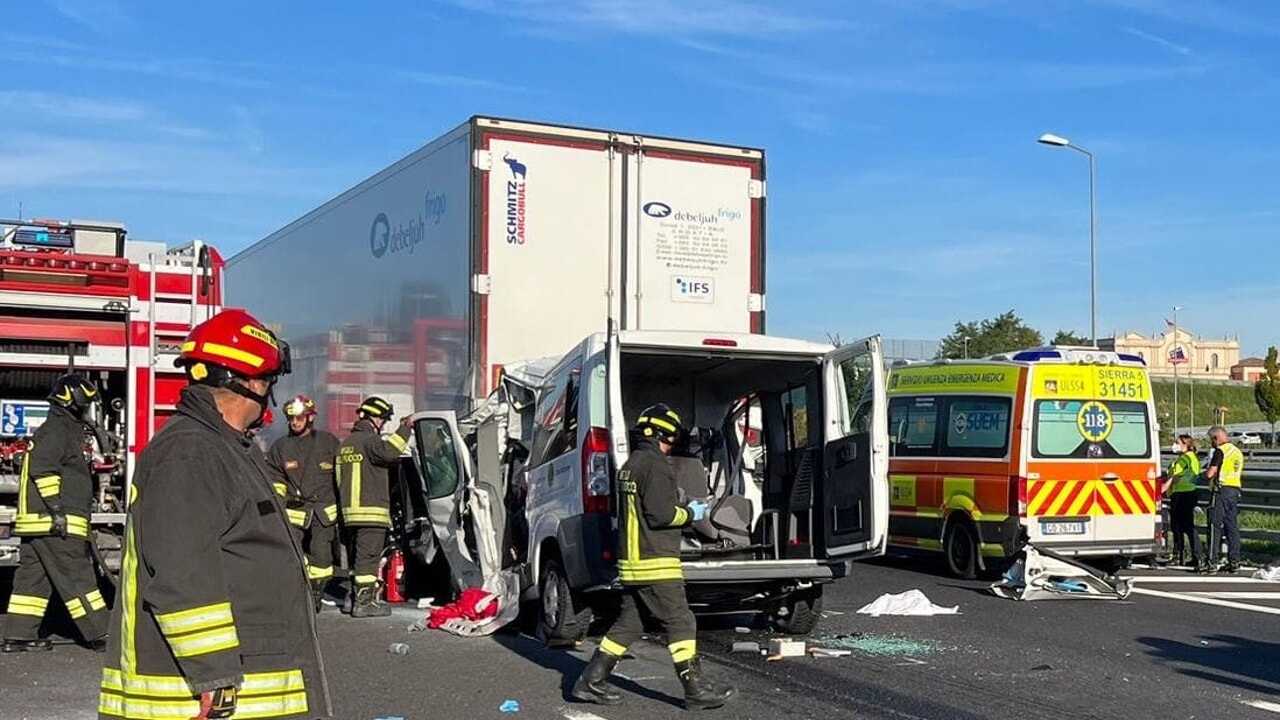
(1110, 477)
(847, 454)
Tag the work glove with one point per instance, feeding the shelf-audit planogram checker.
(59, 521)
(698, 509)
(220, 703)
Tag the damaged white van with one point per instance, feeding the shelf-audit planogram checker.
(788, 443)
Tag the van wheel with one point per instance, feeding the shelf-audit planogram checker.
(559, 623)
(961, 548)
(803, 611)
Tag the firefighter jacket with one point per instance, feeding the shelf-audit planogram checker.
(363, 476)
(305, 464)
(213, 589)
(55, 471)
(650, 518)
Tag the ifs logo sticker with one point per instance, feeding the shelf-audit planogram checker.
(692, 289)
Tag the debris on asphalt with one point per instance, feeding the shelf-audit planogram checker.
(398, 649)
(785, 647)
(751, 647)
(1043, 574)
(828, 652)
(390, 717)
(510, 706)
(742, 630)
(911, 602)
(426, 603)
(882, 645)
(1271, 574)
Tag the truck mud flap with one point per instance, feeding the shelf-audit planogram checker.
(1041, 574)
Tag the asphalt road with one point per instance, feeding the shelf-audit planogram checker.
(1171, 651)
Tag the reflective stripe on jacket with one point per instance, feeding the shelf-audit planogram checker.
(361, 467)
(213, 590)
(649, 518)
(55, 471)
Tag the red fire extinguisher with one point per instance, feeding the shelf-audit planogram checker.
(393, 577)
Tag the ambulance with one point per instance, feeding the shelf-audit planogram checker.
(1058, 446)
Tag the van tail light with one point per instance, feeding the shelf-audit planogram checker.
(1018, 494)
(596, 481)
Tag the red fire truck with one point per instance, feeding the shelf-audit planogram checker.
(79, 296)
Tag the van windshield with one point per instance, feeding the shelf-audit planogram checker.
(1091, 429)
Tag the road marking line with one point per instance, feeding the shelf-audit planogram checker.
(580, 715)
(1236, 595)
(1263, 705)
(1206, 601)
(1194, 580)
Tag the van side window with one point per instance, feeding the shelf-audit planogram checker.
(795, 406)
(556, 417)
(913, 426)
(977, 427)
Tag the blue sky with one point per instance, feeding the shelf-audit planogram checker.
(903, 167)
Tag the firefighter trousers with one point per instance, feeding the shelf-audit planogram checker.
(318, 542)
(367, 546)
(661, 606)
(49, 565)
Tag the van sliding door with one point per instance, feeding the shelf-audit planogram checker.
(853, 495)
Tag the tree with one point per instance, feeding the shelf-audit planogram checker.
(1000, 334)
(1266, 392)
(1067, 337)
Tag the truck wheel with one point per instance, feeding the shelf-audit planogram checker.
(559, 622)
(803, 611)
(960, 545)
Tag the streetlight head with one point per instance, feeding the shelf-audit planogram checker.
(1054, 140)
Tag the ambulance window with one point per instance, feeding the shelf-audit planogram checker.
(913, 426)
(978, 427)
(1082, 429)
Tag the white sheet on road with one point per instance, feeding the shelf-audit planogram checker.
(911, 602)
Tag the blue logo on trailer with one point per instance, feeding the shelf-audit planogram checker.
(657, 209)
(380, 235)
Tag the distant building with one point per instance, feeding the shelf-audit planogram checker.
(1208, 359)
(1250, 369)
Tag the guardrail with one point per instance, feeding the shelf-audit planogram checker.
(1260, 491)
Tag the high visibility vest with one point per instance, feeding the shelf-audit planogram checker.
(1232, 466)
(1184, 471)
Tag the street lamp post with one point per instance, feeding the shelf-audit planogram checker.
(966, 347)
(1058, 141)
(1176, 362)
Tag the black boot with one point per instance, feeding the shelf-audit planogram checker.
(317, 592)
(13, 646)
(699, 692)
(592, 685)
(364, 604)
(98, 644)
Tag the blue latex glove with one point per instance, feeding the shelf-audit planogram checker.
(699, 509)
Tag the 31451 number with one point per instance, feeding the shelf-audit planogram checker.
(1130, 390)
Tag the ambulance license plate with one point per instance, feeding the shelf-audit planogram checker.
(1062, 528)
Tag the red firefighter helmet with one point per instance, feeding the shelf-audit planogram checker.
(300, 406)
(235, 342)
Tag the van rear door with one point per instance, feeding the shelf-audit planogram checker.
(854, 492)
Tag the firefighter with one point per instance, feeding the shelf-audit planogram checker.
(364, 486)
(649, 523)
(304, 459)
(213, 618)
(55, 499)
